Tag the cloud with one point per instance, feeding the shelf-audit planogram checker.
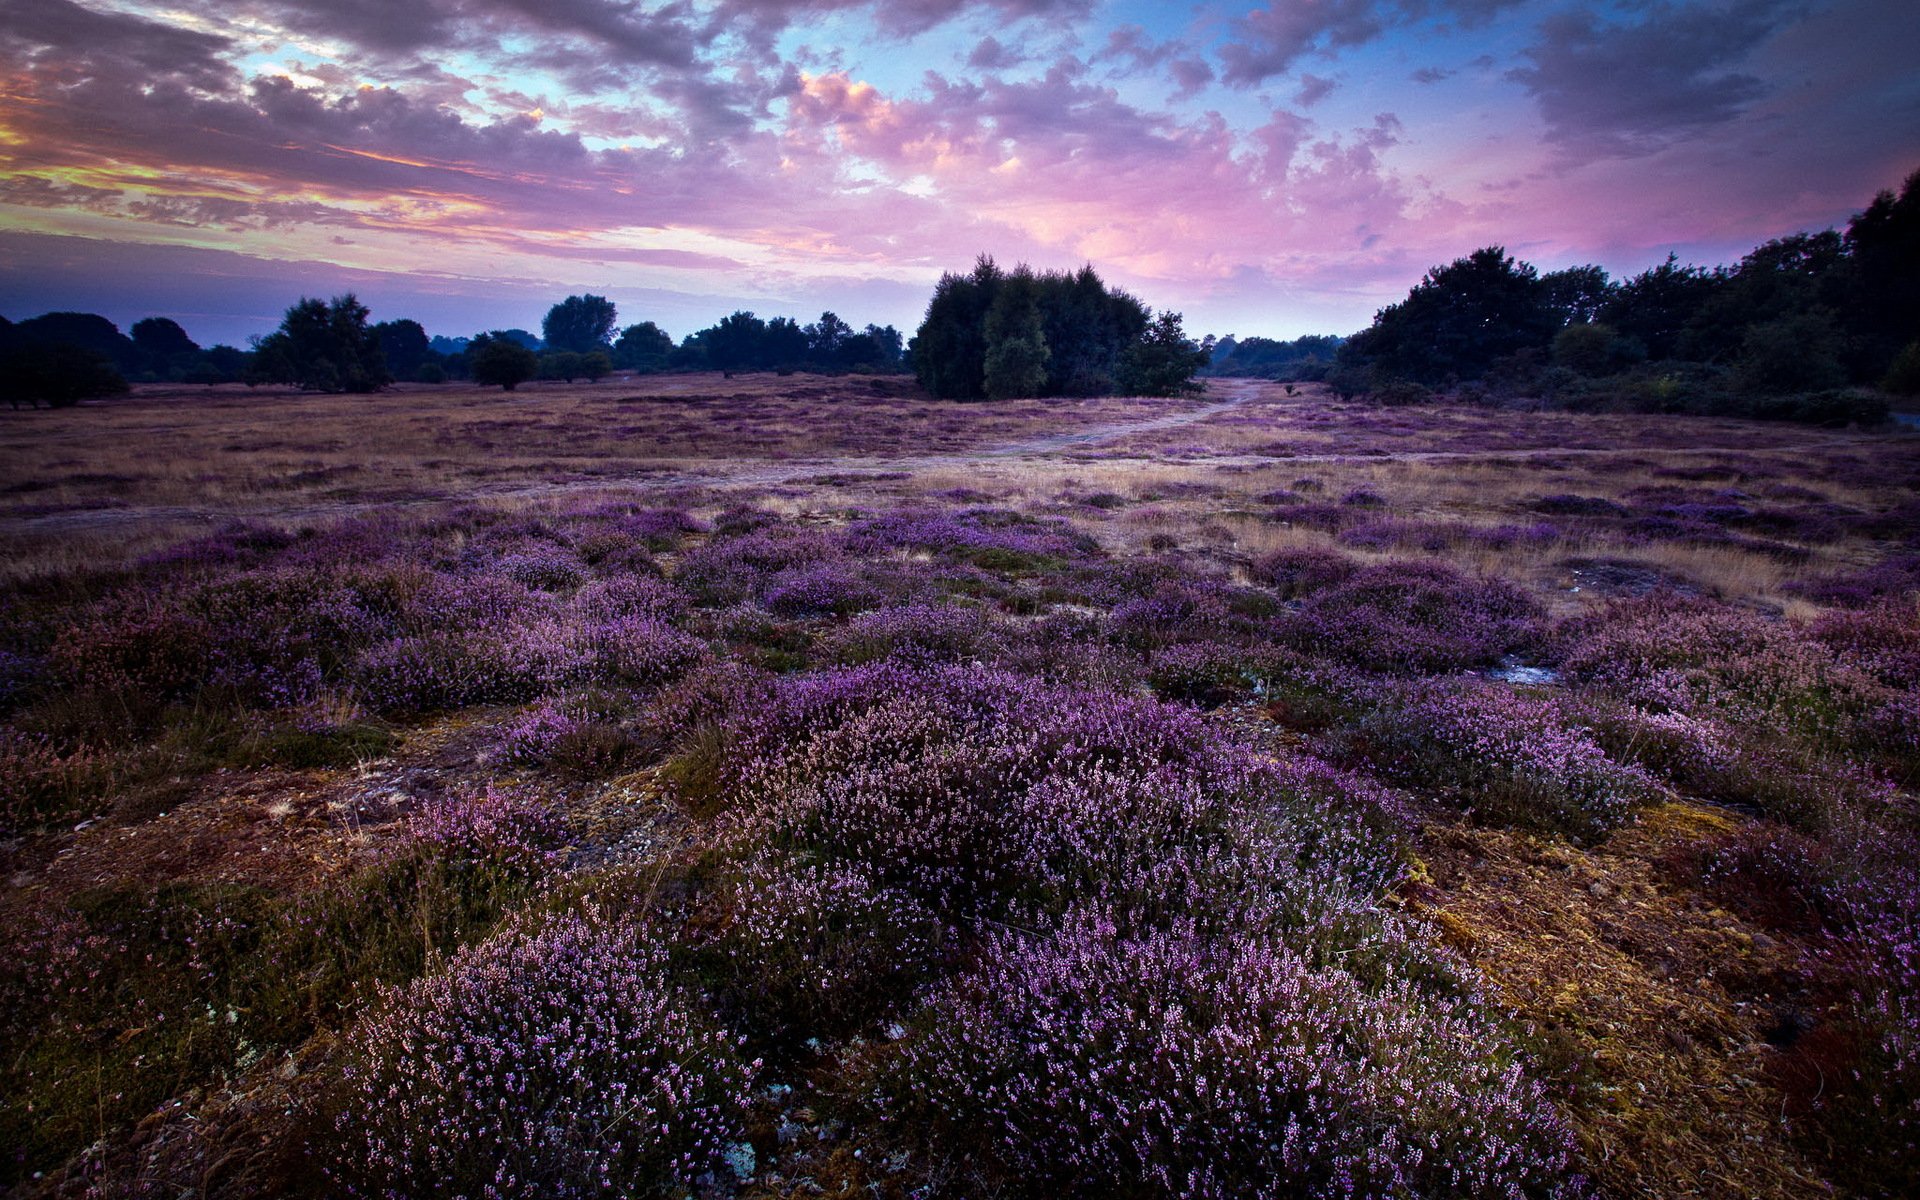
(993, 55)
(1610, 90)
(1313, 89)
(1269, 40)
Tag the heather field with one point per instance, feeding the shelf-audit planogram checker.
(788, 786)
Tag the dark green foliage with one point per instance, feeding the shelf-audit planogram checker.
(323, 346)
(1884, 243)
(498, 358)
(1017, 351)
(1163, 361)
(1903, 375)
(1655, 306)
(1594, 348)
(163, 350)
(56, 375)
(1795, 353)
(88, 331)
(581, 324)
(1458, 321)
(405, 345)
(995, 334)
(1577, 294)
(642, 347)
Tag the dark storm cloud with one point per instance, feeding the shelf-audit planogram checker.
(69, 41)
(1614, 90)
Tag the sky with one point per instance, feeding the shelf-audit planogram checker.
(1272, 169)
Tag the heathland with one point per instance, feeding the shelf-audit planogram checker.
(792, 785)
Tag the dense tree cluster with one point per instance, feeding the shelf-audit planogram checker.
(61, 358)
(995, 334)
(1776, 335)
(323, 346)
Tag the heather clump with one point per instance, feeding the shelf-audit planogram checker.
(734, 569)
(555, 1059)
(975, 789)
(916, 633)
(1503, 755)
(821, 590)
(1302, 570)
(1415, 617)
(578, 736)
(1665, 654)
(806, 949)
(629, 596)
(41, 780)
(1098, 1058)
(644, 651)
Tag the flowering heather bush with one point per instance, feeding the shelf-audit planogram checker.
(545, 568)
(1302, 570)
(814, 950)
(508, 829)
(455, 669)
(916, 633)
(629, 596)
(1099, 1061)
(570, 736)
(1882, 640)
(825, 589)
(1895, 578)
(644, 651)
(993, 538)
(1668, 654)
(974, 788)
(733, 570)
(138, 647)
(1415, 616)
(553, 1061)
(1505, 756)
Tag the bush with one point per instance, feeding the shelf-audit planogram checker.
(1096, 1061)
(56, 375)
(549, 1061)
(1415, 616)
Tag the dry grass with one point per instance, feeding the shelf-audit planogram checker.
(1652, 1004)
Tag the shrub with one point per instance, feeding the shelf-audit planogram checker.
(1415, 616)
(1302, 571)
(811, 950)
(554, 1060)
(38, 782)
(1504, 756)
(644, 651)
(1097, 1061)
(916, 633)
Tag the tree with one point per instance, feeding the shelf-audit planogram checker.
(949, 352)
(323, 347)
(642, 347)
(1163, 361)
(581, 324)
(1576, 294)
(1656, 306)
(162, 348)
(1884, 244)
(1457, 321)
(1592, 348)
(405, 345)
(497, 358)
(88, 331)
(1795, 353)
(828, 340)
(56, 374)
(1017, 351)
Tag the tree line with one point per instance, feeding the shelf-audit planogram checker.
(59, 359)
(1803, 327)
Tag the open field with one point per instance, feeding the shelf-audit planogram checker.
(800, 788)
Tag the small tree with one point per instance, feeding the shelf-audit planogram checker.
(643, 347)
(581, 324)
(323, 347)
(1163, 361)
(495, 358)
